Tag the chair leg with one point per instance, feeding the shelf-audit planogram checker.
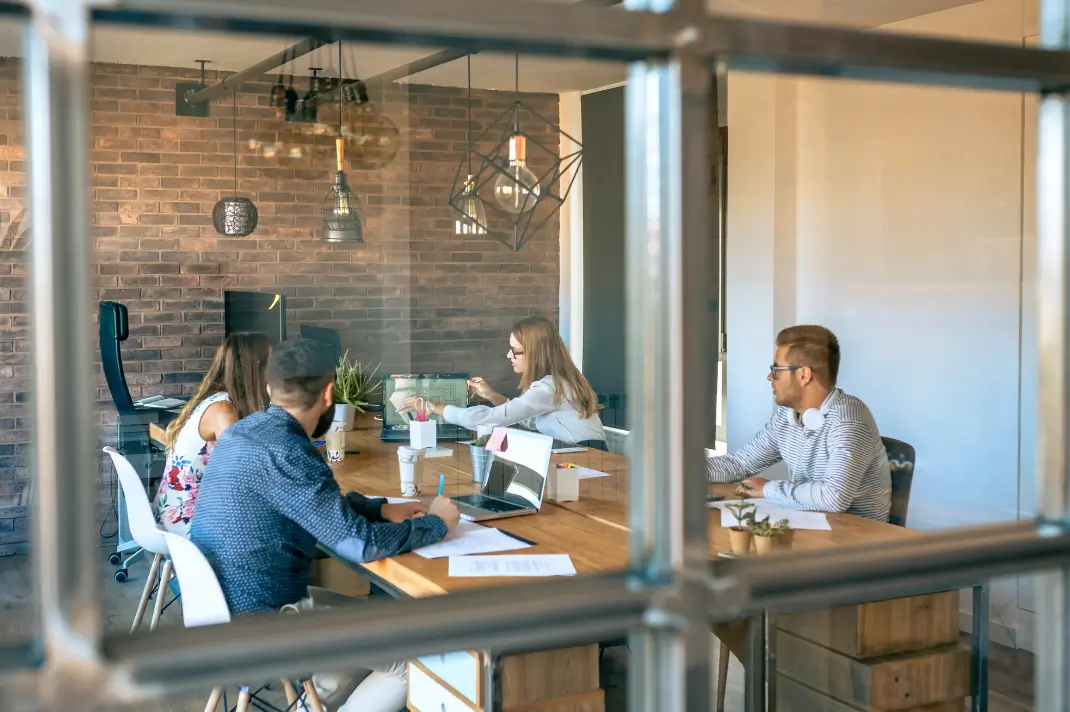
(143, 604)
(312, 697)
(723, 656)
(243, 700)
(161, 593)
(291, 695)
(213, 699)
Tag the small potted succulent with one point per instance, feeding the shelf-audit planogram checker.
(354, 390)
(770, 537)
(741, 535)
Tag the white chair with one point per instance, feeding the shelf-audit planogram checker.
(146, 533)
(203, 603)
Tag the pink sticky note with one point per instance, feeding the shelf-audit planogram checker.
(498, 441)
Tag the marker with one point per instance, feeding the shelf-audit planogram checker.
(441, 484)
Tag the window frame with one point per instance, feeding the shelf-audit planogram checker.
(672, 591)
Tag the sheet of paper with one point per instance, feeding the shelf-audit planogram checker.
(796, 519)
(471, 538)
(499, 440)
(512, 565)
(165, 403)
(563, 450)
(586, 473)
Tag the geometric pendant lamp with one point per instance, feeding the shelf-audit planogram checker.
(527, 166)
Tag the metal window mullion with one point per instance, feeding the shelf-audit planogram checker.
(669, 370)
(1053, 333)
(516, 25)
(56, 95)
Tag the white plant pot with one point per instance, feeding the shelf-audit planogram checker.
(344, 414)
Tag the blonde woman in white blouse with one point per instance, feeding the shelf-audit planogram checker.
(555, 398)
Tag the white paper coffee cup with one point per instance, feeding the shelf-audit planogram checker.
(409, 462)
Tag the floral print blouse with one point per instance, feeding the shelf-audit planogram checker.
(182, 474)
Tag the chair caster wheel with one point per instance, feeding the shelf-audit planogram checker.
(120, 576)
(115, 559)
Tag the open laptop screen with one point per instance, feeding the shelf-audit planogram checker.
(447, 388)
(518, 475)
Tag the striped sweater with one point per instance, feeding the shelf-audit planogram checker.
(840, 467)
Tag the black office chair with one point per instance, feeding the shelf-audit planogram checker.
(114, 329)
(901, 457)
(324, 335)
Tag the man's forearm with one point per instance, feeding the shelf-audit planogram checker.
(371, 508)
(724, 469)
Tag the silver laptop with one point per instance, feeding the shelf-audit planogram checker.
(515, 479)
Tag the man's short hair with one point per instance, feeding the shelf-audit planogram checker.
(298, 371)
(813, 346)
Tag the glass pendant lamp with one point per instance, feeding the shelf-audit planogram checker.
(471, 218)
(516, 189)
(342, 220)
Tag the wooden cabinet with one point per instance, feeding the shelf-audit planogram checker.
(563, 680)
(901, 654)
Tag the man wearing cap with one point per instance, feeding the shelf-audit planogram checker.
(267, 497)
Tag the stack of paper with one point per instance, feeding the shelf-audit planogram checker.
(796, 519)
(512, 565)
(471, 538)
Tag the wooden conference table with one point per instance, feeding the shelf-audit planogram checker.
(889, 655)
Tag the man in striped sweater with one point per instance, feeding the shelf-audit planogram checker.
(828, 438)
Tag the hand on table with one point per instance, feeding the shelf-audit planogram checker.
(446, 510)
(400, 511)
(756, 484)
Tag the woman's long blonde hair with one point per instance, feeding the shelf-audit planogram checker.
(546, 356)
(238, 368)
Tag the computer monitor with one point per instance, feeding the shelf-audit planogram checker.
(328, 337)
(448, 388)
(261, 312)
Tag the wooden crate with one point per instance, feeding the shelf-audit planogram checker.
(894, 682)
(793, 696)
(871, 630)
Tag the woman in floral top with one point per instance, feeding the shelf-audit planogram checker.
(233, 388)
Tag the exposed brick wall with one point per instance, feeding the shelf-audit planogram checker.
(413, 297)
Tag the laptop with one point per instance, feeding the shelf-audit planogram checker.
(448, 388)
(515, 480)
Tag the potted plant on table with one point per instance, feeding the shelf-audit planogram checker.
(354, 390)
(741, 535)
(770, 537)
(480, 456)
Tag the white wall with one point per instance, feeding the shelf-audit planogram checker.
(892, 215)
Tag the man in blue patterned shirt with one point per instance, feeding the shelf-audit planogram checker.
(267, 495)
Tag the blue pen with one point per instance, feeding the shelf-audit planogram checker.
(441, 484)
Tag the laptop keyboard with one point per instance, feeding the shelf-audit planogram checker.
(488, 503)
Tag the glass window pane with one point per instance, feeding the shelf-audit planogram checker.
(18, 620)
(998, 22)
(427, 299)
(919, 650)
